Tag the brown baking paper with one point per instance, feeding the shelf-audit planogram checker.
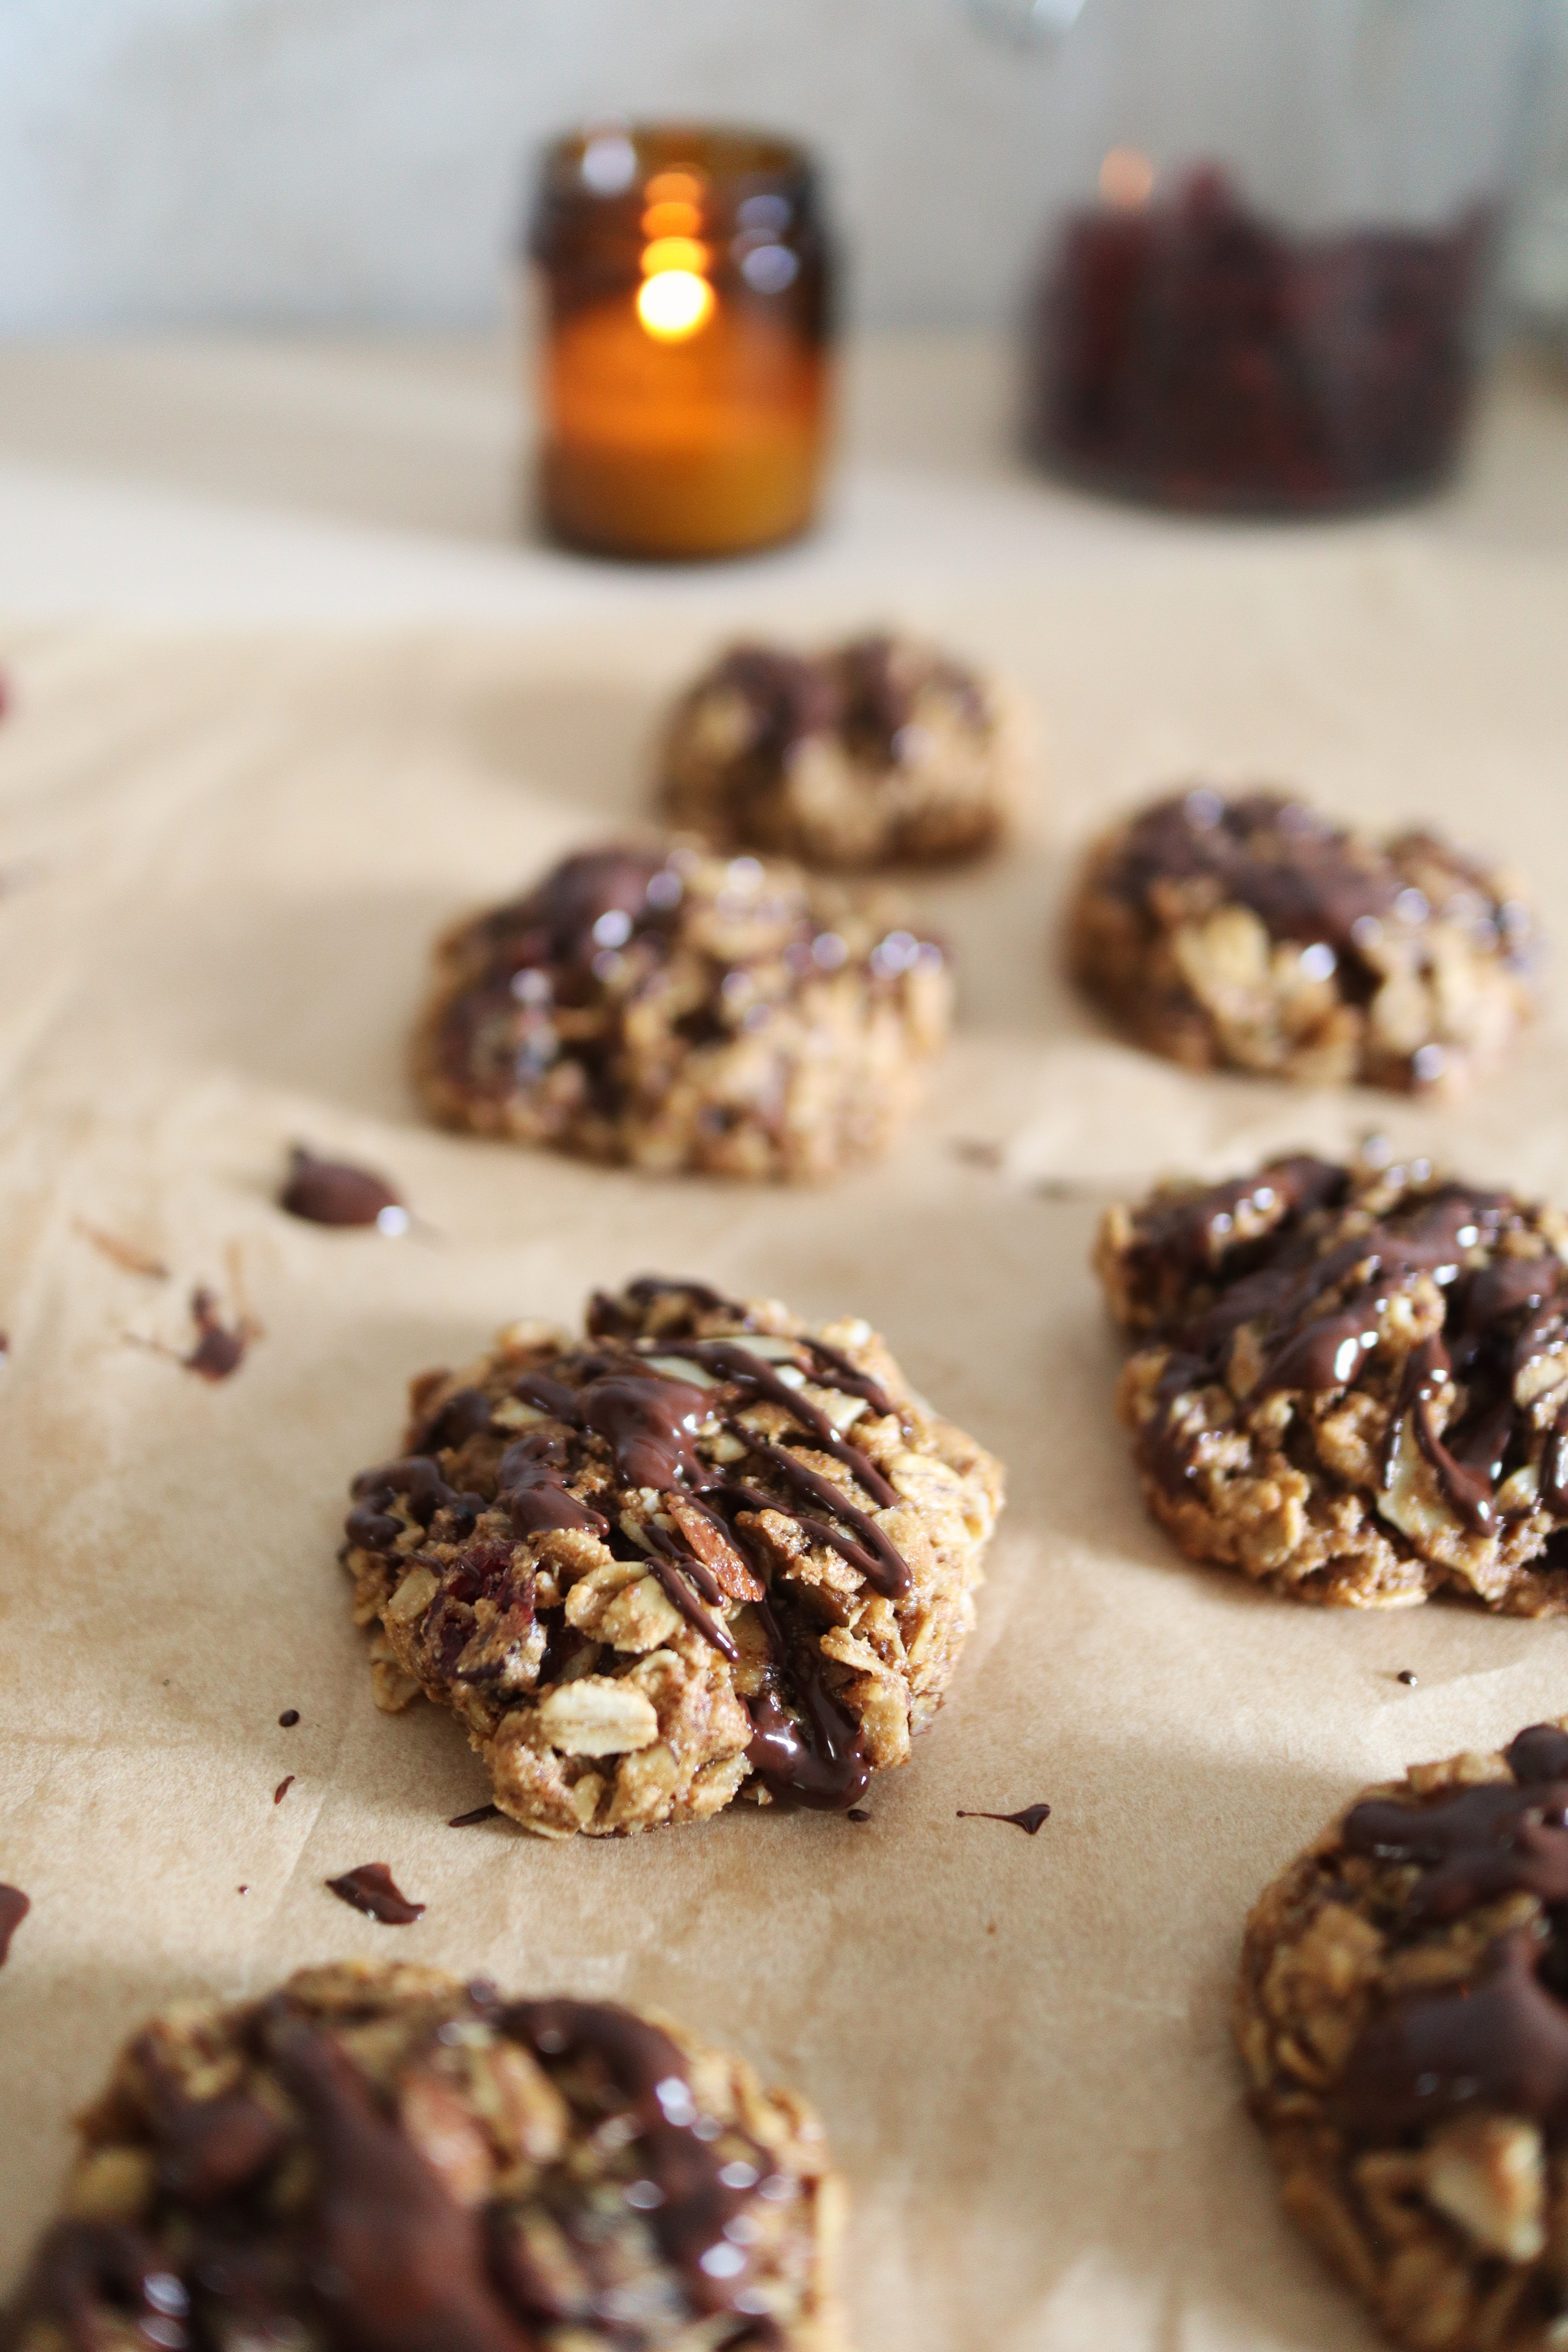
(223, 862)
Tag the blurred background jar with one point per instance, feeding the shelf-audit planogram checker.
(1539, 276)
(1276, 293)
(685, 340)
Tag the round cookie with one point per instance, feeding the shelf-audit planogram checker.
(685, 1011)
(701, 1552)
(1351, 1382)
(381, 2160)
(1403, 2016)
(880, 752)
(1252, 932)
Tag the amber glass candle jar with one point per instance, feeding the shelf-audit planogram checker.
(685, 356)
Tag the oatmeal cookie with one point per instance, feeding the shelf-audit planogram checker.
(879, 752)
(1403, 2016)
(1253, 932)
(701, 1552)
(678, 1011)
(1351, 1382)
(383, 2160)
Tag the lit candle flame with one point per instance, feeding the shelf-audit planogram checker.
(674, 303)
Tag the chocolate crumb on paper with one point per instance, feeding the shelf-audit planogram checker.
(479, 1814)
(288, 1718)
(336, 1192)
(369, 1889)
(1407, 1677)
(281, 1790)
(220, 1348)
(857, 1814)
(1031, 1820)
(14, 1908)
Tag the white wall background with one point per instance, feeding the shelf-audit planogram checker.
(359, 161)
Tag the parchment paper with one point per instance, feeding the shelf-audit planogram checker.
(223, 862)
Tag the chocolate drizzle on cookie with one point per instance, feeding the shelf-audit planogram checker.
(788, 697)
(701, 2193)
(1500, 2043)
(1291, 1255)
(1306, 878)
(375, 2248)
(565, 984)
(653, 1403)
(83, 2267)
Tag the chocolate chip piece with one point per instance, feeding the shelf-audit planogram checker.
(369, 1889)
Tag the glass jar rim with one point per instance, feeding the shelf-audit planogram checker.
(725, 157)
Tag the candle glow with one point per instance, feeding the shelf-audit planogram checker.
(674, 304)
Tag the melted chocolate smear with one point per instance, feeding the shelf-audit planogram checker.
(1497, 1838)
(281, 1790)
(648, 2073)
(1539, 1753)
(479, 1814)
(816, 1758)
(220, 1349)
(14, 1908)
(1497, 1318)
(397, 2265)
(207, 2149)
(673, 1568)
(649, 1420)
(556, 923)
(530, 1489)
(746, 1372)
(788, 698)
(370, 1527)
(335, 1192)
(82, 2266)
(1500, 2046)
(466, 1413)
(288, 1718)
(1304, 877)
(369, 1889)
(882, 680)
(1029, 1821)
(608, 1319)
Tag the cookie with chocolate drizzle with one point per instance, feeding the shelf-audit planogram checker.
(701, 1552)
(383, 2160)
(1253, 932)
(880, 752)
(1403, 2016)
(1351, 1382)
(684, 1012)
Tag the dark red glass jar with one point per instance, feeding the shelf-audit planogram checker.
(1276, 301)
